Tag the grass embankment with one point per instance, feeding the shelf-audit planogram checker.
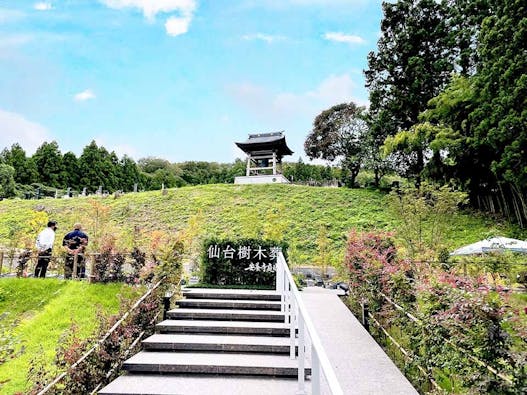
(235, 211)
(44, 309)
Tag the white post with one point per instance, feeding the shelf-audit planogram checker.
(280, 275)
(301, 355)
(274, 163)
(292, 335)
(315, 372)
(287, 304)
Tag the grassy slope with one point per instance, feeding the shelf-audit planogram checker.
(46, 309)
(241, 211)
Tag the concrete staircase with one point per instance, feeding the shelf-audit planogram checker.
(215, 342)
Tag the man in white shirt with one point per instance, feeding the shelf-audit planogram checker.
(44, 245)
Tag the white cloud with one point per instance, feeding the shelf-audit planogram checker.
(268, 38)
(151, 8)
(289, 106)
(344, 38)
(84, 95)
(43, 6)
(16, 129)
(176, 25)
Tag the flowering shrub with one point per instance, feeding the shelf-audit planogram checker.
(458, 330)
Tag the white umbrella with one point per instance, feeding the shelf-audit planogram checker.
(492, 244)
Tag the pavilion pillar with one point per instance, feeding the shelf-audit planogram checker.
(248, 171)
(274, 163)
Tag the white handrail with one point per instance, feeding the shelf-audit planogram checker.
(296, 315)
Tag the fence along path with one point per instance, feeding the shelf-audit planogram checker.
(21, 263)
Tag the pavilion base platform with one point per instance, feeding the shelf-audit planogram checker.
(262, 179)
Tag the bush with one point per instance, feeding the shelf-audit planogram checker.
(450, 326)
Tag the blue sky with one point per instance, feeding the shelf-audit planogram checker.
(177, 79)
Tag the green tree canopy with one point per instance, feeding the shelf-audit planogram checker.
(70, 174)
(413, 62)
(97, 168)
(25, 168)
(339, 134)
(48, 160)
(7, 180)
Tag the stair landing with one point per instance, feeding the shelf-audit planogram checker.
(133, 384)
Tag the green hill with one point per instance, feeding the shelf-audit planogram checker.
(296, 212)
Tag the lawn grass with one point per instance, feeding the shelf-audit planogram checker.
(46, 309)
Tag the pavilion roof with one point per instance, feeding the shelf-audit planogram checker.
(263, 142)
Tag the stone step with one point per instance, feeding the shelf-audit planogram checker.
(140, 384)
(226, 315)
(212, 363)
(224, 327)
(240, 304)
(247, 294)
(218, 343)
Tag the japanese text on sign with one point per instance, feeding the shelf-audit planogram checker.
(260, 259)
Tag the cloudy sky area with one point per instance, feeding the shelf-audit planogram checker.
(177, 79)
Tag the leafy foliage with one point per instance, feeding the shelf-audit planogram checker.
(426, 215)
(7, 181)
(338, 133)
(466, 129)
(412, 64)
(452, 327)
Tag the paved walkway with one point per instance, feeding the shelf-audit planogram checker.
(359, 362)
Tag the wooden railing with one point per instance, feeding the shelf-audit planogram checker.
(22, 263)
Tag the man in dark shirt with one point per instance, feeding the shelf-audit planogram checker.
(75, 243)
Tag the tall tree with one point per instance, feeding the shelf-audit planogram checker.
(500, 116)
(128, 174)
(7, 181)
(338, 134)
(412, 64)
(70, 175)
(48, 160)
(25, 169)
(97, 168)
(464, 25)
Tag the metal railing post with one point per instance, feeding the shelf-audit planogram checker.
(292, 330)
(280, 277)
(365, 311)
(301, 355)
(315, 372)
(75, 263)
